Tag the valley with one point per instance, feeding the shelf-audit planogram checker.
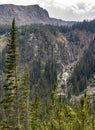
(42, 45)
(47, 71)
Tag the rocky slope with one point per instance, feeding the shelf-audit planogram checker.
(3, 43)
(26, 15)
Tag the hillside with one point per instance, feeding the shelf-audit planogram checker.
(52, 54)
(83, 76)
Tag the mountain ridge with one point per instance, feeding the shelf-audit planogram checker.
(26, 15)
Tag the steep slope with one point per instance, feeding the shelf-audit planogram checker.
(23, 14)
(82, 77)
(26, 15)
(84, 70)
(80, 74)
(3, 42)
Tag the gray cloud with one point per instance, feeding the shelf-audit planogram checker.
(77, 12)
(81, 6)
(63, 13)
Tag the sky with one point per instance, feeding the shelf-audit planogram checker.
(71, 10)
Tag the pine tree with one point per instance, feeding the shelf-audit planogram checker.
(83, 112)
(50, 122)
(51, 71)
(60, 114)
(35, 114)
(24, 99)
(10, 101)
(70, 117)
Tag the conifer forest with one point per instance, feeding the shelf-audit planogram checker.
(29, 99)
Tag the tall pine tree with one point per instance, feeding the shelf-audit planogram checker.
(10, 101)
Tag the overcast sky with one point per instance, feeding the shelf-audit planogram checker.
(62, 9)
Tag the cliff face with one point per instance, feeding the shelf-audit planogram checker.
(23, 14)
(26, 15)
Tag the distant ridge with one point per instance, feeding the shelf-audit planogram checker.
(26, 15)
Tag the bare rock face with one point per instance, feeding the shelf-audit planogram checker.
(26, 15)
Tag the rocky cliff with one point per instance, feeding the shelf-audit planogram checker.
(26, 15)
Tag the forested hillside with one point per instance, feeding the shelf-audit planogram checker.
(48, 49)
(45, 50)
(84, 70)
(41, 68)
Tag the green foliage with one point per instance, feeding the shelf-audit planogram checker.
(51, 71)
(34, 28)
(36, 70)
(11, 80)
(25, 98)
(64, 29)
(35, 114)
(83, 112)
(83, 70)
(85, 25)
(22, 114)
(16, 94)
(4, 29)
(61, 116)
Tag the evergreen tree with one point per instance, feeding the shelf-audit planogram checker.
(70, 117)
(60, 114)
(36, 70)
(83, 112)
(10, 101)
(51, 71)
(35, 114)
(50, 122)
(24, 99)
